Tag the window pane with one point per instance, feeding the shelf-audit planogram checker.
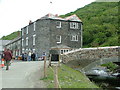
(73, 25)
(61, 52)
(34, 39)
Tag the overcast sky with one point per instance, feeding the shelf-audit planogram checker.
(15, 14)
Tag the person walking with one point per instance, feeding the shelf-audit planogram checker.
(25, 57)
(33, 56)
(29, 56)
(22, 56)
(7, 57)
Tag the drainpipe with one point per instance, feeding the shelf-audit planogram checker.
(81, 35)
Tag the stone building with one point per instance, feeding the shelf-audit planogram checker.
(15, 46)
(51, 31)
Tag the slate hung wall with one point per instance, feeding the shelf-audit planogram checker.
(50, 31)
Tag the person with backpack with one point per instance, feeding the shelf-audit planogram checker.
(7, 58)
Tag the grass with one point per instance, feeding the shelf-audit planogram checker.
(68, 78)
(111, 66)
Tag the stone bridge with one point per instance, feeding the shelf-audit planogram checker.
(90, 57)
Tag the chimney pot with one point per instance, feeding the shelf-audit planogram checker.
(56, 15)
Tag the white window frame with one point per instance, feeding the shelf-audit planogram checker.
(27, 30)
(74, 38)
(74, 25)
(62, 51)
(22, 42)
(58, 38)
(26, 50)
(33, 50)
(19, 52)
(23, 50)
(26, 41)
(34, 39)
(34, 26)
(58, 24)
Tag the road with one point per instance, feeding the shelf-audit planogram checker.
(22, 75)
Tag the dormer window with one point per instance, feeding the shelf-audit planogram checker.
(58, 24)
(73, 25)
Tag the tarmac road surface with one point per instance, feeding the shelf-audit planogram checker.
(22, 75)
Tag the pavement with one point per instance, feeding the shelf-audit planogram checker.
(21, 74)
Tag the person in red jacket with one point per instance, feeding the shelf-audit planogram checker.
(7, 57)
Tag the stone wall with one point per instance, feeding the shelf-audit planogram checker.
(91, 54)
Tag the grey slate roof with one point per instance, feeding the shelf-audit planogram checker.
(70, 18)
(4, 42)
(14, 40)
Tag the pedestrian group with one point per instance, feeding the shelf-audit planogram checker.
(30, 56)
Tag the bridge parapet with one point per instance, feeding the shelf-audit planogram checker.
(91, 53)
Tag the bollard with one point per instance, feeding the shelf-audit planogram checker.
(49, 60)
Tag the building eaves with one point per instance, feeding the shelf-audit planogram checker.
(56, 17)
(50, 16)
(14, 40)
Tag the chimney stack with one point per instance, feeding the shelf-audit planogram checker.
(30, 22)
(56, 15)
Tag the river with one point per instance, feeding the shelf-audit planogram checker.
(104, 79)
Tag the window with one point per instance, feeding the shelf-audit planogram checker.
(26, 50)
(62, 51)
(34, 39)
(73, 25)
(33, 50)
(74, 38)
(58, 24)
(34, 26)
(23, 50)
(27, 30)
(27, 41)
(22, 41)
(58, 38)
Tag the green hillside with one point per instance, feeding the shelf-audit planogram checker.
(100, 20)
(11, 36)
